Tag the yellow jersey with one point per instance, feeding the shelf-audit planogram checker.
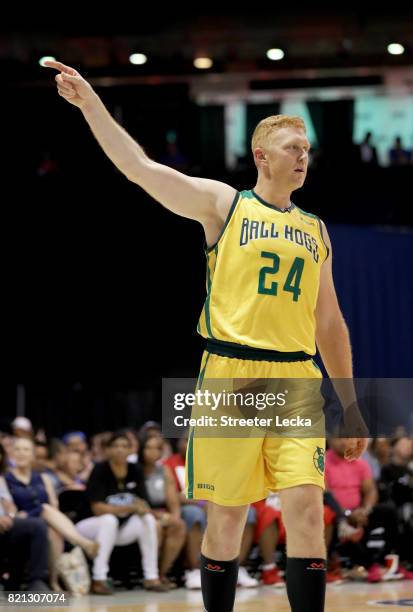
(263, 277)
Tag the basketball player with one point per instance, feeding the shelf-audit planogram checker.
(271, 299)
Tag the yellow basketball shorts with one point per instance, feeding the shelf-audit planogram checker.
(234, 471)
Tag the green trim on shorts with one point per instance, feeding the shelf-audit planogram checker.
(191, 465)
(190, 440)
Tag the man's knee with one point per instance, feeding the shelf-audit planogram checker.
(307, 521)
(226, 523)
(302, 511)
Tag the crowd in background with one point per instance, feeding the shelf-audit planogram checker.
(124, 490)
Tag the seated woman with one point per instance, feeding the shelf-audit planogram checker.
(164, 501)
(21, 539)
(34, 496)
(116, 491)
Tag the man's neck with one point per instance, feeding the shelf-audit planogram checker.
(281, 198)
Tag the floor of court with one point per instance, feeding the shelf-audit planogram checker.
(357, 597)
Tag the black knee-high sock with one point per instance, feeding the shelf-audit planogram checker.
(219, 583)
(306, 584)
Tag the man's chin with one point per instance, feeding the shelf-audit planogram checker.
(298, 182)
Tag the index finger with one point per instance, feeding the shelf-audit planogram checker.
(61, 67)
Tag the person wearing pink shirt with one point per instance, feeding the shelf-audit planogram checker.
(354, 488)
(351, 483)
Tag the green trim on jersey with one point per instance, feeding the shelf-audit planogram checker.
(227, 220)
(307, 213)
(208, 298)
(322, 237)
(257, 197)
(320, 227)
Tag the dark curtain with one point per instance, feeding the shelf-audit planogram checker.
(375, 288)
(333, 124)
(212, 137)
(257, 112)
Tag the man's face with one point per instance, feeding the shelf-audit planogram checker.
(285, 158)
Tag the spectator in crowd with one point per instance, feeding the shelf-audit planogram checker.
(132, 436)
(57, 453)
(98, 445)
(398, 155)
(152, 428)
(368, 152)
(121, 515)
(69, 473)
(34, 496)
(41, 456)
(396, 484)
(77, 441)
(6, 440)
(21, 538)
(377, 455)
(149, 429)
(355, 490)
(164, 501)
(22, 427)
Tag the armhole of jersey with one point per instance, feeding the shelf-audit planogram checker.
(208, 249)
(320, 225)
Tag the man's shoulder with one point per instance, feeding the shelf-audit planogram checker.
(307, 214)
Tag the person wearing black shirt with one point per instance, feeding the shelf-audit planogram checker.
(396, 487)
(117, 494)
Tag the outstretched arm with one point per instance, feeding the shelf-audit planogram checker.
(204, 200)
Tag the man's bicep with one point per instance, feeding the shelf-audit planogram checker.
(187, 196)
(327, 306)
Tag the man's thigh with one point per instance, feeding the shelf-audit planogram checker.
(225, 471)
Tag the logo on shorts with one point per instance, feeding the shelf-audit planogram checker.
(318, 459)
(204, 485)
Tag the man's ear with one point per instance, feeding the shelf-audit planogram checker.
(259, 154)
